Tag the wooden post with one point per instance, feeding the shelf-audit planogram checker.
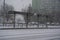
(38, 20)
(46, 21)
(14, 20)
(27, 21)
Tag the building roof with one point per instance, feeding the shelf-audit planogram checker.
(17, 12)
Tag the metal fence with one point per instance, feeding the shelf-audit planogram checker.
(28, 23)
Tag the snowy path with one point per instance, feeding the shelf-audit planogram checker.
(30, 34)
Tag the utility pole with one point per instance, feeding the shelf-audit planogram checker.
(4, 11)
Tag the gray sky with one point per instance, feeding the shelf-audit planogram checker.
(18, 4)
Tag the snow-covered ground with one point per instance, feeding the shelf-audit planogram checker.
(24, 26)
(30, 34)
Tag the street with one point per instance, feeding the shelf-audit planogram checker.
(30, 34)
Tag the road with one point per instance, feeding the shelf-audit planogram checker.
(30, 34)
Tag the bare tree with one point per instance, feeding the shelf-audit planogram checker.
(4, 12)
(28, 9)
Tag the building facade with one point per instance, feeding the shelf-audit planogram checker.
(49, 5)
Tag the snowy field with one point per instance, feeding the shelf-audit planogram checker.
(30, 34)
